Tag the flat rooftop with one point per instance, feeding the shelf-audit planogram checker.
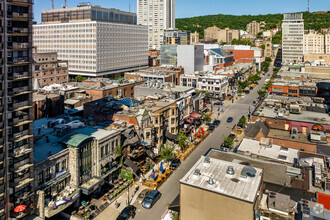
(274, 151)
(304, 116)
(235, 185)
(275, 173)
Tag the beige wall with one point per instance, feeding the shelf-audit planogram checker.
(325, 57)
(211, 33)
(198, 204)
(227, 35)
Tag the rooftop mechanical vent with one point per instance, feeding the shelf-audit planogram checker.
(211, 181)
(248, 171)
(230, 170)
(197, 172)
(207, 160)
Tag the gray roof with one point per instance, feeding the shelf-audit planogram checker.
(253, 129)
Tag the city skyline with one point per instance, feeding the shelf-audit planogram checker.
(209, 7)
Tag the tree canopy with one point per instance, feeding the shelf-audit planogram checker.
(311, 20)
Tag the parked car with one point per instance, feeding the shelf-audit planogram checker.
(216, 122)
(151, 199)
(142, 195)
(268, 74)
(229, 119)
(211, 128)
(231, 135)
(246, 91)
(175, 163)
(127, 212)
(251, 88)
(254, 103)
(217, 103)
(256, 82)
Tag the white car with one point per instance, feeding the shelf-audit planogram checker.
(243, 96)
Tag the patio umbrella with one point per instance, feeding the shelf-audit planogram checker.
(143, 143)
(199, 132)
(202, 130)
(20, 208)
(153, 174)
(161, 169)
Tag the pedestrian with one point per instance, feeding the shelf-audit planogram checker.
(116, 204)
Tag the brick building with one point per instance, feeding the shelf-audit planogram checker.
(47, 69)
(47, 105)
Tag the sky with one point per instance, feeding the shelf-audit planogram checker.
(191, 8)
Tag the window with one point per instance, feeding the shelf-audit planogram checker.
(102, 151)
(281, 157)
(48, 174)
(40, 178)
(293, 91)
(277, 89)
(64, 164)
(106, 149)
(284, 149)
(57, 167)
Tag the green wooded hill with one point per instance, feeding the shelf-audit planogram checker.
(311, 20)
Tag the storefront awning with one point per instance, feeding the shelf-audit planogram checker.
(136, 170)
(188, 121)
(171, 136)
(58, 179)
(195, 115)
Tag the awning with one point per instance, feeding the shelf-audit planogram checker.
(136, 170)
(195, 115)
(62, 177)
(171, 136)
(188, 121)
(131, 141)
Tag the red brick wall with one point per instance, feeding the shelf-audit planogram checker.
(128, 120)
(243, 56)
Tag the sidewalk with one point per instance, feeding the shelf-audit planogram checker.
(111, 212)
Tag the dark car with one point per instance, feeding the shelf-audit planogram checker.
(230, 119)
(251, 88)
(217, 103)
(175, 163)
(151, 199)
(211, 128)
(232, 136)
(268, 74)
(216, 122)
(254, 103)
(256, 82)
(127, 212)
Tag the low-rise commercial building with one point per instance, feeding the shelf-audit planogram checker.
(211, 182)
(161, 74)
(216, 85)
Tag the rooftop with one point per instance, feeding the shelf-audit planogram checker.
(243, 184)
(275, 173)
(97, 133)
(272, 151)
(40, 96)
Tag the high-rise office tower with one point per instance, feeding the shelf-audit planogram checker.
(96, 41)
(16, 139)
(292, 38)
(158, 15)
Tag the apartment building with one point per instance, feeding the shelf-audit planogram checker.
(102, 42)
(157, 15)
(16, 138)
(194, 38)
(211, 182)
(227, 35)
(268, 48)
(176, 37)
(211, 33)
(253, 28)
(292, 38)
(47, 69)
(316, 43)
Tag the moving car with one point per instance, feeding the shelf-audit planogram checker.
(127, 212)
(216, 122)
(142, 195)
(151, 199)
(229, 119)
(217, 103)
(232, 136)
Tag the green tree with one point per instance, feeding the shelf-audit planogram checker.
(214, 41)
(259, 35)
(182, 141)
(229, 141)
(265, 65)
(262, 93)
(242, 121)
(268, 59)
(166, 152)
(207, 118)
(119, 151)
(80, 78)
(262, 47)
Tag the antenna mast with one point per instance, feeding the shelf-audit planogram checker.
(53, 7)
(308, 5)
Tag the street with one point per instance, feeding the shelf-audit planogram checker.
(170, 188)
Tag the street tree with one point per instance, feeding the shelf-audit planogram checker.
(166, 152)
(182, 140)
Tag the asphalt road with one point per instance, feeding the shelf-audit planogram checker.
(170, 189)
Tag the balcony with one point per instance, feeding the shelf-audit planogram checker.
(21, 135)
(19, 119)
(22, 150)
(23, 182)
(20, 30)
(24, 1)
(17, 76)
(20, 15)
(17, 45)
(19, 60)
(20, 104)
(19, 90)
(19, 165)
